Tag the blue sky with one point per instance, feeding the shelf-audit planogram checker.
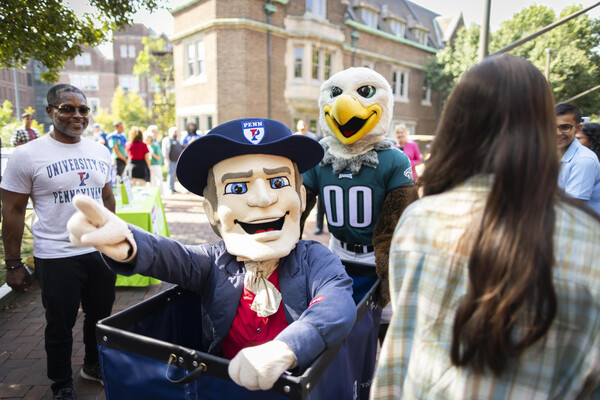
(501, 10)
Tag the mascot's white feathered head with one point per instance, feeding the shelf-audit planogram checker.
(356, 107)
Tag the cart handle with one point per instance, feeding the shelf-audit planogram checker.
(193, 375)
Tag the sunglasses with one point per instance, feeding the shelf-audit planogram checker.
(565, 128)
(69, 109)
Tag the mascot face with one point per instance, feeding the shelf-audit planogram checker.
(259, 207)
(354, 103)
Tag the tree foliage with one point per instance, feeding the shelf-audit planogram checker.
(127, 107)
(50, 32)
(574, 61)
(156, 63)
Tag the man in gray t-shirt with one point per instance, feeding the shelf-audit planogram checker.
(50, 171)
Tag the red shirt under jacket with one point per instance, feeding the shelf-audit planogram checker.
(248, 329)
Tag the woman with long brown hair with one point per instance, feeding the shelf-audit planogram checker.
(494, 274)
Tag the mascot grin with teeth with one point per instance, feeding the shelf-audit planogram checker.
(271, 302)
(364, 181)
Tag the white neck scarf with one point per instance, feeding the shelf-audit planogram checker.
(266, 296)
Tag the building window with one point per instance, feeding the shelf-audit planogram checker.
(195, 58)
(315, 64)
(94, 104)
(400, 84)
(398, 28)
(123, 51)
(369, 18)
(84, 82)
(327, 66)
(209, 122)
(29, 79)
(316, 7)
(421, 36)
(298, 56)
(84, 59)
(129, 83)
(426, 99)
(132, 52)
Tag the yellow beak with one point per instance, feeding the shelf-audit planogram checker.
(349, 120)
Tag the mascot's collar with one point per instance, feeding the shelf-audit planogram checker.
(355, 163)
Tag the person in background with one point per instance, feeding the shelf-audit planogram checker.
(156, 158)
(138, 158)
(171, 149)
(411, 149)
(302, 129)
(100, 136)
(49, 171)
(494, 273)
(579, 173)
(192, 134)
(589, 136)
(25, 133)
(116, 142)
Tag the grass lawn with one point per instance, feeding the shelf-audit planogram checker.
(26, 246)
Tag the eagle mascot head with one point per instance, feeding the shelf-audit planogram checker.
(355, 112)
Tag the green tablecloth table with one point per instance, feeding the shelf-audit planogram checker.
(145, 209)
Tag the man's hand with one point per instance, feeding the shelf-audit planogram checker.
(18, 279)
(93, 225)
(260, 366)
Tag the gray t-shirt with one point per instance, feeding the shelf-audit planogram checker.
(52, 173)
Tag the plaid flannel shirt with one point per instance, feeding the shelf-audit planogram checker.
(22, 136)
(428, 277)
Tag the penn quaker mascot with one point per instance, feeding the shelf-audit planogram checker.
(363, 180)
(270, 303)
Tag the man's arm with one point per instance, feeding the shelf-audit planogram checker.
(582, 177)
(108, 197)
(115, 148)
(166, 149)
(14, 206)
(311, 200)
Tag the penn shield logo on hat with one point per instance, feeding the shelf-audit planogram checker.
(254, 131)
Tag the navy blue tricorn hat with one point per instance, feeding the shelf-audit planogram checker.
(239, 137)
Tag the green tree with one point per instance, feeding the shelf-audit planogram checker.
(574, 65)
(50, 32)
(129, 107)
(156, 63)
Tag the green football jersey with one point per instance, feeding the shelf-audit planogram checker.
(353, 201)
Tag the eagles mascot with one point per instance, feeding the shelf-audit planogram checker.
(363, 180)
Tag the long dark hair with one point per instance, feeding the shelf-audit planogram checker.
(500, 120)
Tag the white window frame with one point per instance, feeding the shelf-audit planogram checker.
(94, 104)
(132, 52)
(84, 81)
(369, 17)
(195, 59)
(323, 71)
(426, 89)
(298, 62)
(400, 84)
(317, 8)
(84, 59)
(123, 49)
(421, 36)
(129, 83)
(398, 28)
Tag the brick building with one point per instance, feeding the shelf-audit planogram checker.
(24, 87)
(99, 73)
(253, 58)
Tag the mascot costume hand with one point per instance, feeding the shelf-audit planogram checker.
(363, 180)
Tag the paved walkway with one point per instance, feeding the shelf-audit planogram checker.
(22, 323)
